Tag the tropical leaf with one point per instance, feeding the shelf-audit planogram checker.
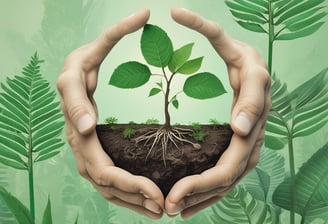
(282, 20)
(310, 188)
(240, 207)
(30, 118)
(310, 105)
(156, 46)
(19, 211)
(47, 217)
(269, 173)
(277, 127)
(299, 113)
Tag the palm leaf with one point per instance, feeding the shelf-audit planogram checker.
(311, 188)
(299, 113)
(18, 210)
(277, 127)
(284, 20)
(310, 105)
(30, 118)
(269, 173)
(240, 207)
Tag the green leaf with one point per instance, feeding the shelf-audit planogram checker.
(154, 91)
(46, 156)
(280, 113)
(248, 17)
(29, 113)
(240, 207)
(203, 86)
(191, 66)
(156, 46)
(20, 165)
(293, 11)
(252, 26)
(175, 103)
(130, 75)
(252, 6)
(302, 33)
(17, 208)
(305, 23)
(269, 173)
(180, 56)
(310, 188)
(237, 7)
(311, 105)
(275, 143)
(47, 217)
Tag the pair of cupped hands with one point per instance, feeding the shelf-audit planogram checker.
(249, 80)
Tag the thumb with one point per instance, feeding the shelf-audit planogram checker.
(78, 108)
(250, 100)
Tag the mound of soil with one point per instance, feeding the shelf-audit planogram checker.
(165, 169)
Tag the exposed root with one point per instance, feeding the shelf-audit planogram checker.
(163, 137)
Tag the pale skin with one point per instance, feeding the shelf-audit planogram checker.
(249, 80)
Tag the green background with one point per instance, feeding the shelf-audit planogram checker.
(55, 28)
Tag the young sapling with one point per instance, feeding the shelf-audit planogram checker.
(157, 50)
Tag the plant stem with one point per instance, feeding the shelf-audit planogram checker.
(292, 176)
(271, 37)
(31, 180)
(166, 100)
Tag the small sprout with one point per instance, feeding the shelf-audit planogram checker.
(199, 136)
(128, 133)
(214, 122)
(131, 123)
(111, 120)
(196, 127)
(152, 121)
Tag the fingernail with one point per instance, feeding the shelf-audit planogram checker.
(152, 206)
(243, 123)
(84, 123)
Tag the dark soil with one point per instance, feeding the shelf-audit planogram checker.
(178, 162)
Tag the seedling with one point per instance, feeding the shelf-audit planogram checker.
(214, 122)
(157, 50)
(152, 121)
(111, 120)
(128, 133)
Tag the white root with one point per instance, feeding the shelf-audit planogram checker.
(163, 137)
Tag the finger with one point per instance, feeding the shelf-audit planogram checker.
(229, 168)
(226, 47)
(106, 41)
(138, 199)
(173, 208)
(76, 104)
(139, 209)
(118, 178)
(251, 99)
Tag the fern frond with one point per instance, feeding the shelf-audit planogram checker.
(30, 117)
(284, 20)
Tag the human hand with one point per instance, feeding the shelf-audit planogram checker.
(76, 84)
(250, 82)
